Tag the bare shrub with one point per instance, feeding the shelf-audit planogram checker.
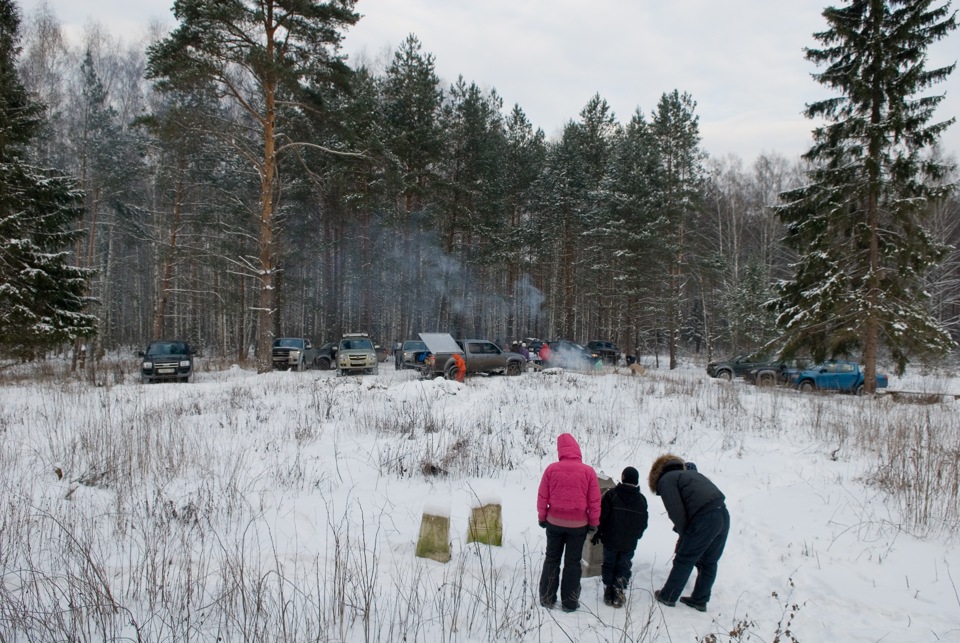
(918, 464)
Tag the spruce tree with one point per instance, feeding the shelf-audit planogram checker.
(858, 227)
(41, 294)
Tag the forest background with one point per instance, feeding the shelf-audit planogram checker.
(411, 205)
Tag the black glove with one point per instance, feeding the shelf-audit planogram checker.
(543, 523)
(596, 538)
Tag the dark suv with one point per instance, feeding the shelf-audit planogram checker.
(167, 361)
(604, 351)
(326, 358)
(738, 366)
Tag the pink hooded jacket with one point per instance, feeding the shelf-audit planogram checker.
(569, 494)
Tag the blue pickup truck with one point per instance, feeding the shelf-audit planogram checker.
(845, 377)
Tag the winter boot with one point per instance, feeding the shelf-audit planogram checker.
(688, 600)
(608, 595)
(662, 599)
(618, 597)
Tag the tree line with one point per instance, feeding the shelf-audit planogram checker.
(239, 179)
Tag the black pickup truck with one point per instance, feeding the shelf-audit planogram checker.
(739, 366)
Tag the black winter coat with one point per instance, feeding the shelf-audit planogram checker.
(685, 493)
(623, 517)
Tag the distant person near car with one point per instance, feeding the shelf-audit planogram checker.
(568, 508)
(523, 351)
(544, 354)
(623, 519)
(699, 514)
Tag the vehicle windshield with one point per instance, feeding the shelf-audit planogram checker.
(356, 344)
(287, 342)
(167, 348)
(414, 345)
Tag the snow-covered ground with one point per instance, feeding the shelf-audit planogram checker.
(286, 507)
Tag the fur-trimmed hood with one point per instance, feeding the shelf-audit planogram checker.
(661, 465)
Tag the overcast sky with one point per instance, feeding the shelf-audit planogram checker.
(741, 60)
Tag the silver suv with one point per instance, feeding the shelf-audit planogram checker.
(356, 354)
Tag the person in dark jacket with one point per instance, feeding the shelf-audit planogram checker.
(568, 507)
(699, 514)
(623, 519)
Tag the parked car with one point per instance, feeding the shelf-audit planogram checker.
(842, 376)
(410, 352)
(167, 361)
(603, 350)
(356, 354)
(738, 366)
(777, 373)
(567, 354)
(326, 357)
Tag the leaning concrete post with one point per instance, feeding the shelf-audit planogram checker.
(593, 554)
(485, 525)
(434, 540)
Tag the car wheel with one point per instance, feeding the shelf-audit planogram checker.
(324, 363)
(859, 390)
(766, 379)
(807, 386)
(725, 375)
(513, 368)
(451, 373)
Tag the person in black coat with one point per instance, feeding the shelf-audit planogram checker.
(623, 519)
(699, 514)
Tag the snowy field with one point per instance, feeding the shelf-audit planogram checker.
(286, 507)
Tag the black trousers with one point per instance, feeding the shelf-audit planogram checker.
(563, 543)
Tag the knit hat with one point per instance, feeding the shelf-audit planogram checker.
(630, 476)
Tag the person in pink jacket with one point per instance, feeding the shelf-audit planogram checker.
(568, 507)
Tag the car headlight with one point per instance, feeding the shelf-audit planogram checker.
(148, 365)
(184, 363)
(295, 354)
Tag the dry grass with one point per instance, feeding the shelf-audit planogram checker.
(179, 536)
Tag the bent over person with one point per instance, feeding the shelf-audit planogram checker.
(699, 514)
(568, 507)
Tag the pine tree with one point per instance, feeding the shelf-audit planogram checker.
(41, 294)
(269, 58)
(628, 234)
(677, 131)
(858, 226)
(413, 133)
